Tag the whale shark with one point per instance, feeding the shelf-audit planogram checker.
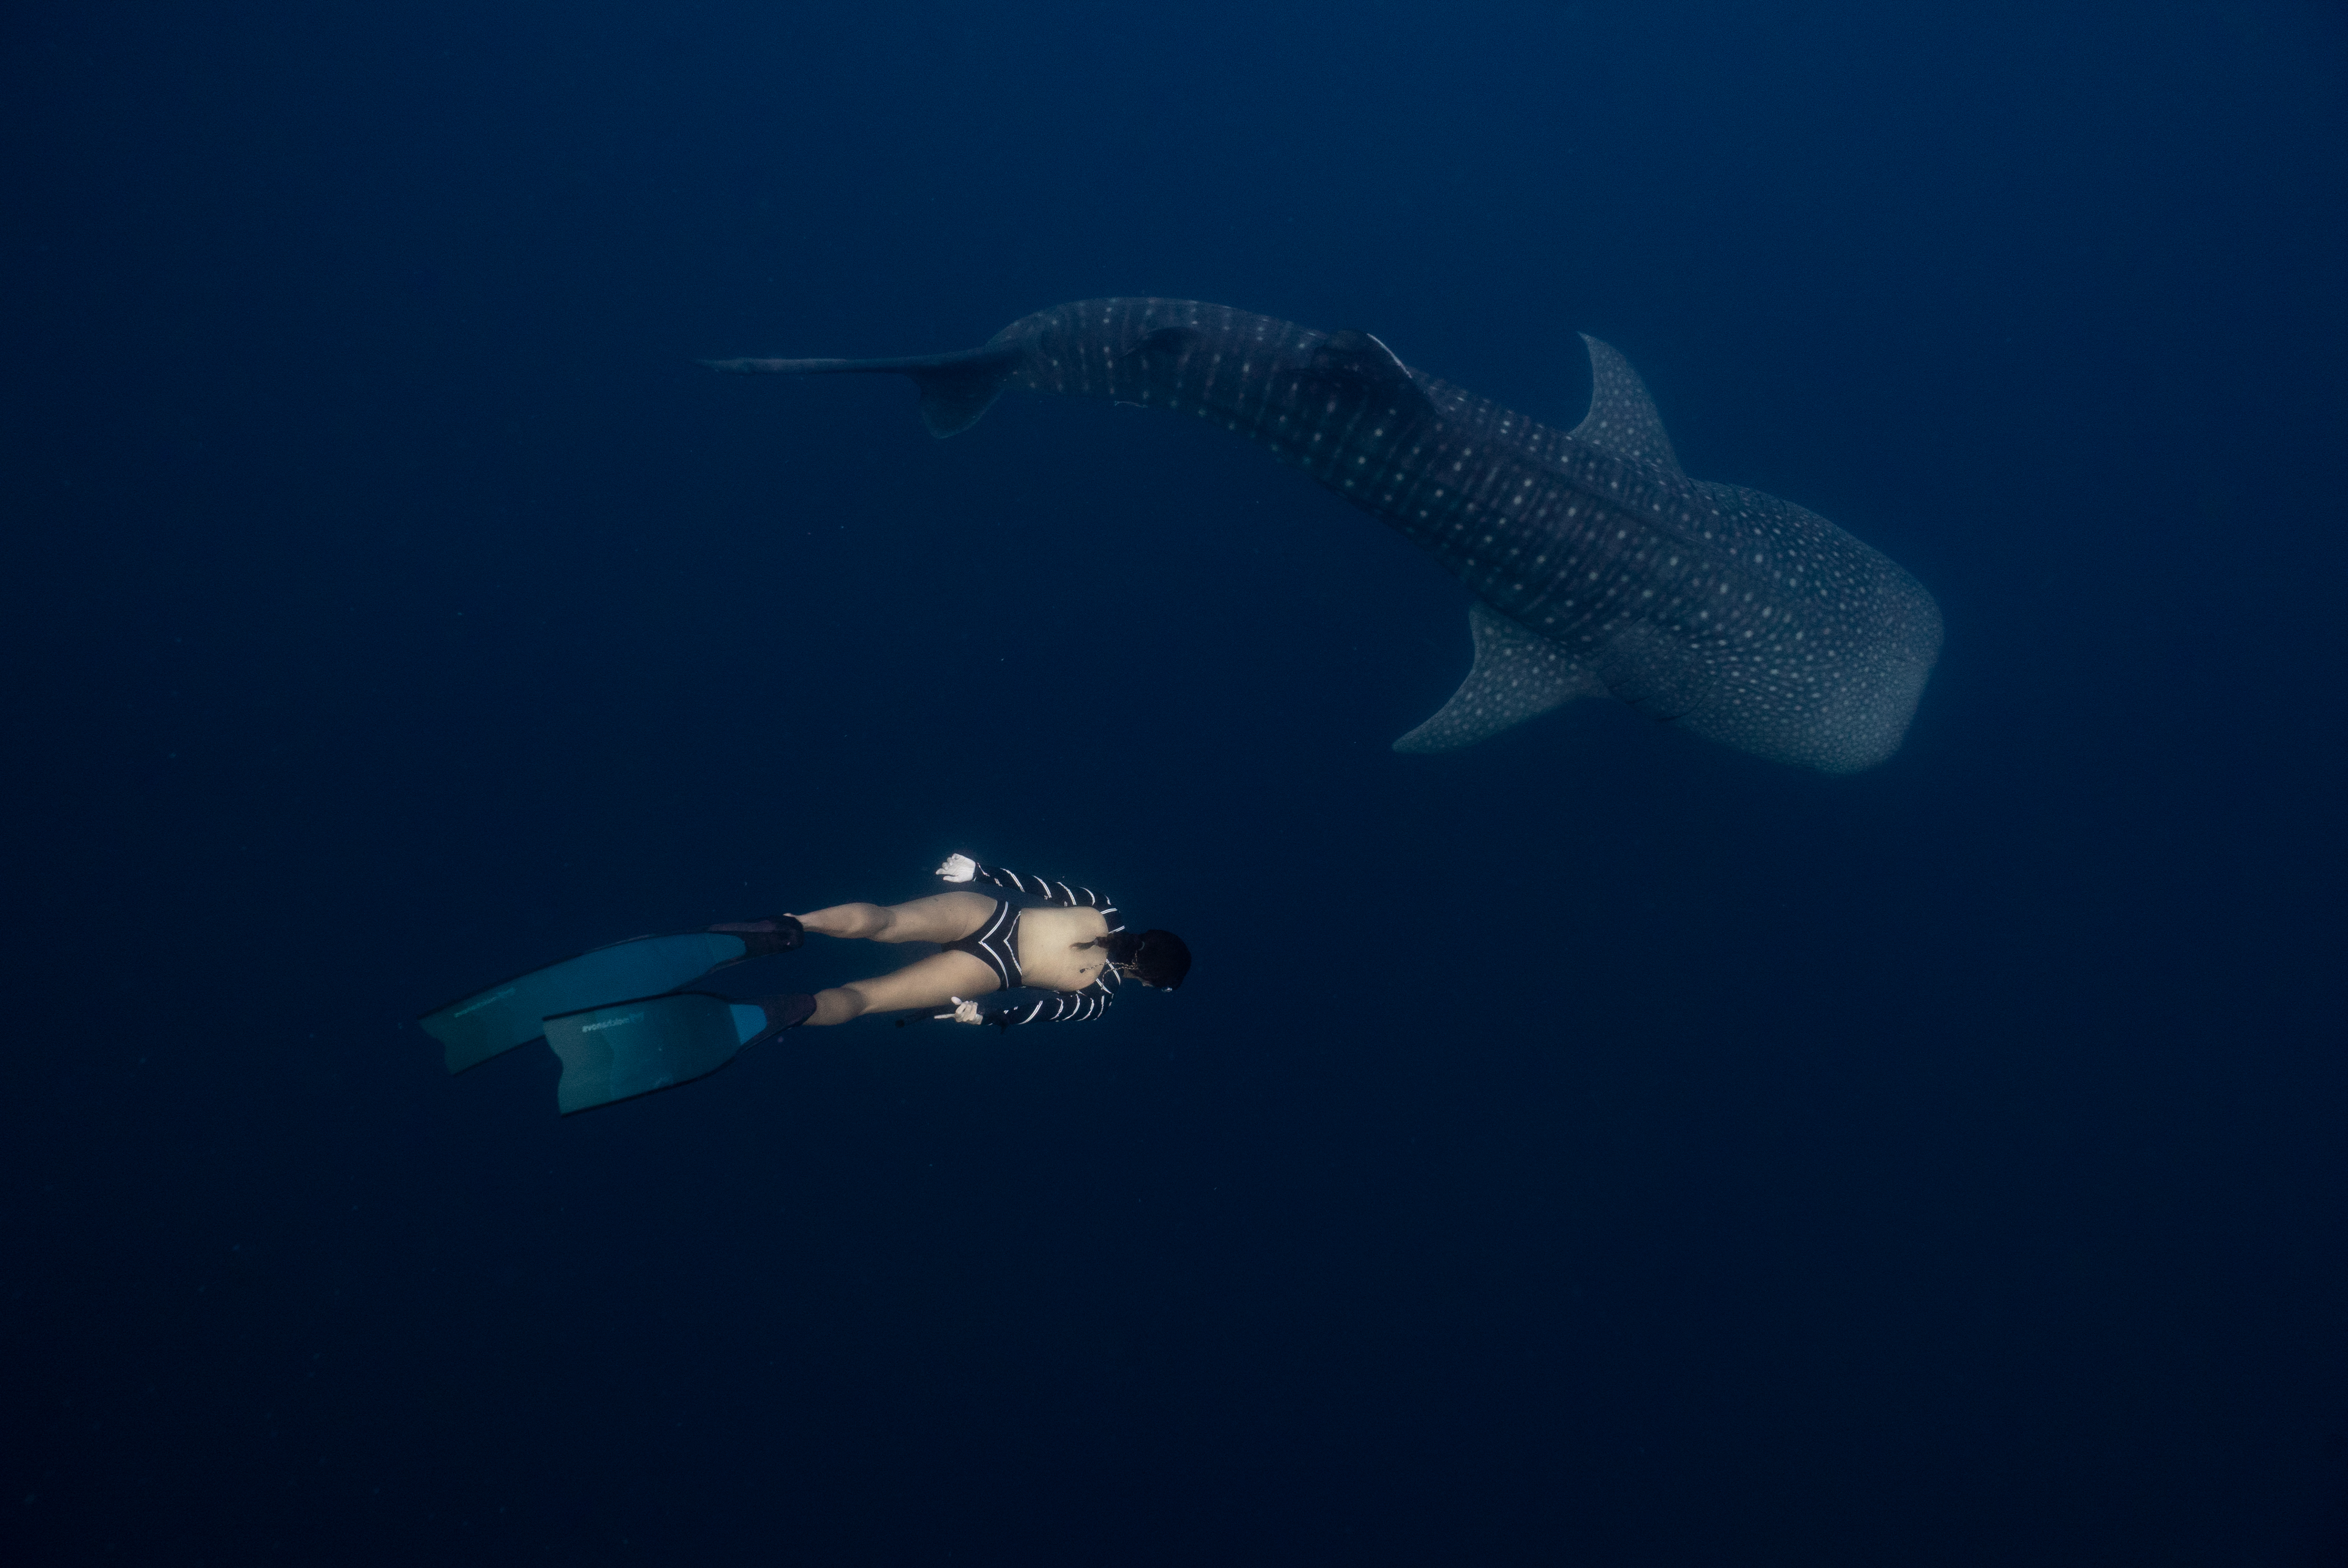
(1598, 567)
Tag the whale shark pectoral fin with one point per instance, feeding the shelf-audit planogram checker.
(955, 388)
(1359, 357)
(1623, 418)
(1516, 675)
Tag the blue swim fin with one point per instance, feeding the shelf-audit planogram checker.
(474, 1029)
(626, 1048)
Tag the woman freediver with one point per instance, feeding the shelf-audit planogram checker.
(627, 1019)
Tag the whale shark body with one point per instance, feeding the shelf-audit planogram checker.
(1598, 567)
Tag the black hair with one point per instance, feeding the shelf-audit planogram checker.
(1159, 958)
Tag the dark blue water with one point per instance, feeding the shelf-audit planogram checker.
(1595, 1147)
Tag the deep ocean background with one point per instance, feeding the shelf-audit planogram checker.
(1597, 1147)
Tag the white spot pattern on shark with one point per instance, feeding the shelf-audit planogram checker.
(1738, 616)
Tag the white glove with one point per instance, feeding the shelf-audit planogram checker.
(963, 1012)
(958, 868)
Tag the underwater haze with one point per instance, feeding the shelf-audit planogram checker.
(1593, 1145)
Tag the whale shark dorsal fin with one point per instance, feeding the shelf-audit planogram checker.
(1516, 675)
(1623, 418)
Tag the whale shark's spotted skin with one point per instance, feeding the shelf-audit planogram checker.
(1602, 569)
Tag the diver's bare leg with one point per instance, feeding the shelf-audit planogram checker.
(939, 918)
(930, 982)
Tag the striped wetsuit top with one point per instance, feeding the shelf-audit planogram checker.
(996, 943)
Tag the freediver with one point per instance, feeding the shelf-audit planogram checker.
(624, 1019)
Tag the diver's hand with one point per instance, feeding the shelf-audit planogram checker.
(958, 868)
(963, 1012)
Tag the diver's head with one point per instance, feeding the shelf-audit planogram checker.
(1156, 958)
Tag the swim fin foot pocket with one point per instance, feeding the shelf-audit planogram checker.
(621, 1049)
(775, 934)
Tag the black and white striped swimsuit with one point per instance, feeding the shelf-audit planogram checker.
(996, 945)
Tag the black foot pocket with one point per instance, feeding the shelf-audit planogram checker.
(776, 934)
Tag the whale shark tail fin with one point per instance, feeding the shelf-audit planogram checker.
(955, 389)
